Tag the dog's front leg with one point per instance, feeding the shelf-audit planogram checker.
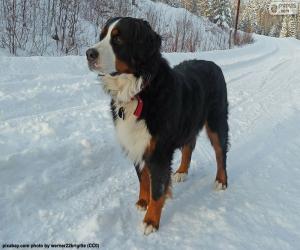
(122, 87)
(144, 195)
(160, 173)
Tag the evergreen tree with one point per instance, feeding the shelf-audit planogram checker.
(293, 31)
(298, 25)
(284, 28)
(221, 13)
(249, 18)
(288, 28)
(173, 3)
(274, 31)
(188, 4)
(263, 17)
(203, 8)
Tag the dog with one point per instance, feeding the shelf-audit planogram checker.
(157, 109)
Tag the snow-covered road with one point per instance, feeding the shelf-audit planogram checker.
(63, 177)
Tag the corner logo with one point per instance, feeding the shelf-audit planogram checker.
(278, 7)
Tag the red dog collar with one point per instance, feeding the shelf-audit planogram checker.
(139, 108)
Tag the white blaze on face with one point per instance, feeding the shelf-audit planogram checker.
(107, 58)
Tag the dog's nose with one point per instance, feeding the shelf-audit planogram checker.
(92, 54)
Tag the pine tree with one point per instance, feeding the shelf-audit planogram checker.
(263, 17)
(298, 25)
(293, 31)
(274, 31)
(187, 4)
(249, 18)
(203, 8)
(284, 28)
(173, 3)
(288, 28)
(221, 13)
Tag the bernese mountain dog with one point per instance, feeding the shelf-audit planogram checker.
(157, 109)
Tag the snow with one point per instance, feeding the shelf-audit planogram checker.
(63, 177)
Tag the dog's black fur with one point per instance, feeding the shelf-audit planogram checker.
(177, 102)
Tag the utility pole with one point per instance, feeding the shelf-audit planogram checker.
(237, 19)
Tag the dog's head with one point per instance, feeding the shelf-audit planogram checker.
(127, 45)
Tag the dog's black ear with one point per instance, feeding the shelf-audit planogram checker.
(106, 25)
(154, 40)
(111, 20)
(147, 42)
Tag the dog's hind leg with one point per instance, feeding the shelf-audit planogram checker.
(217, 131)
(182, 171)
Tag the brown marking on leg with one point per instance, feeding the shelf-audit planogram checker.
(221, 176)
(145, 185)
(186, 155)
(144, 195)
(185, 159)
(153, 214)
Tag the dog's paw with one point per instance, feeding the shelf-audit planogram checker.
(179, 177)
(149, 228)
(141, 205)
(218, 186)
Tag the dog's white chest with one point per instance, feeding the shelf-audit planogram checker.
(132, 134)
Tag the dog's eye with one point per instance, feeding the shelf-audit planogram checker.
(117, 40)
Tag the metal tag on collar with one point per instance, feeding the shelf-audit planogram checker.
(121, 113)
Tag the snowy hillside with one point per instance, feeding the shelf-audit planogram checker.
(72, 26)
(63, 177)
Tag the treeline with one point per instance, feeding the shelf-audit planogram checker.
(64, 27)
(254, 16)
(35, 26)
(43, 27)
